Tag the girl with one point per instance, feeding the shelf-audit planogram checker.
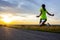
(42, 15)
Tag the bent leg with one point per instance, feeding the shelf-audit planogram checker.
(42, 22)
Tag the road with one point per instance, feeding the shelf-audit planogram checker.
(17, 34)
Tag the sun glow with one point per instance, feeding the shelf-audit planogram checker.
(10, 19)
(6, 19)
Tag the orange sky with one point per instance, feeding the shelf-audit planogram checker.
(23, 19)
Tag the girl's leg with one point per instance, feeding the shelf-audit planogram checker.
(44, 21)
(40, 22)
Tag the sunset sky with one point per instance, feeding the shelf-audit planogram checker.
(25, 11)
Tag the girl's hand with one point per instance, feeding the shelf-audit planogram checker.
(52, 14)
(37, 16)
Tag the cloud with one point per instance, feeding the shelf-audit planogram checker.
(5, 3)
(34, 2)
(30, 6)
(9, 5)
(6, 6)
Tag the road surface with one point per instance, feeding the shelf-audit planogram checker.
(17, 34)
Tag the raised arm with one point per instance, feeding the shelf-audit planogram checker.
(50, 14)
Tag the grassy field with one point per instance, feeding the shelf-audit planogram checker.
(53, 28)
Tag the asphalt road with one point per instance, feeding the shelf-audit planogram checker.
(16, 34)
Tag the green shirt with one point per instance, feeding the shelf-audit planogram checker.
(43, 15)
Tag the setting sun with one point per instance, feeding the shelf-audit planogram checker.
(6, 19)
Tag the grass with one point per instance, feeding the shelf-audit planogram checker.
(55, 29)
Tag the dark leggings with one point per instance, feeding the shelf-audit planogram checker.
(44, 21)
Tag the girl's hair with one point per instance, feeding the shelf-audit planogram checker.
(43, 6)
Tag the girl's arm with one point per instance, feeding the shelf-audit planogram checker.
(50, 14)
(39, 15)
